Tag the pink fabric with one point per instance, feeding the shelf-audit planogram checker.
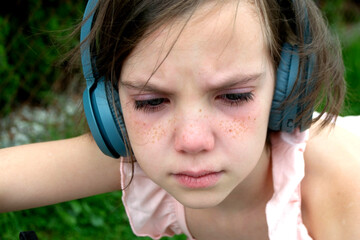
(283, 211)
(151, 210)
(155, 213)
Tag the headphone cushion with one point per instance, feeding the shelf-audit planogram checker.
(113, 99)
(282, 118)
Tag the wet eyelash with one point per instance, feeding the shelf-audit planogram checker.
(150, 105)
(234, 99)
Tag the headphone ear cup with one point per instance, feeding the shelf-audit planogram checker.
(282, 118)
(102, 121)
(99, 97)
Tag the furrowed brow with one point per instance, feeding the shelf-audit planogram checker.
(141, 86)
(236, 80)
(221, 83)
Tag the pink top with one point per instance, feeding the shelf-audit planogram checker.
(155, 213)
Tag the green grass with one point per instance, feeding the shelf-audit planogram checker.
(97, 217)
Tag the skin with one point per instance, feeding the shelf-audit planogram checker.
(195, 129)
(51, 172)
(331, 187)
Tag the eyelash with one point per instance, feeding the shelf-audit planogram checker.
(150, 105)
(155, 104)
(235, 99)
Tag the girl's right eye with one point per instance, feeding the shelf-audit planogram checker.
(150, 105)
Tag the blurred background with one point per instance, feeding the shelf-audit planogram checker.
(40, 100)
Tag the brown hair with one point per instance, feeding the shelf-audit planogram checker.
(121, 25)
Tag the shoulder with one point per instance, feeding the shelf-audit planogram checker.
(331, 187)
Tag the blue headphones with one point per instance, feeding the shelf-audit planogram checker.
(109, 130)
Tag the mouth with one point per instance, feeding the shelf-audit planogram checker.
(195, 180)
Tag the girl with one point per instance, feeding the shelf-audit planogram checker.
(198, 82)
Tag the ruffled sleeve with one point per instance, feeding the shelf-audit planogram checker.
(151, 210)
(283, 211)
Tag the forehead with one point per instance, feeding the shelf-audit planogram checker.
(216, 36)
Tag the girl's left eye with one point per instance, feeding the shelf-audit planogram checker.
(235, 99)
(150, 105)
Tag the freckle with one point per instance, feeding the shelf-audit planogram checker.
(230, 130)
(248, 117)
(200, 110)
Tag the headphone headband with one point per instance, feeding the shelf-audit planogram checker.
(85, 45)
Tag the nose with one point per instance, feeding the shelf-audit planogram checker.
(193, 136)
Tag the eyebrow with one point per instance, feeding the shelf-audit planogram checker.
(235, 80)
(224, 83)
(141, 86)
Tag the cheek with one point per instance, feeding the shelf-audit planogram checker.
(248, 121)
(143, 131)
(237, 127)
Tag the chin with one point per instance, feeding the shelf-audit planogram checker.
(200, 200)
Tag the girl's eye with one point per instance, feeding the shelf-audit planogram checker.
(235, 99)
(150, 105)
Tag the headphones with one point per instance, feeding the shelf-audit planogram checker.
(109, 131)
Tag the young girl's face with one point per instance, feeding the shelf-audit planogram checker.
(198, 127)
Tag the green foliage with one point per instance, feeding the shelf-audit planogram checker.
(341, 12)
(97, 217)
(30, 47)
(344, 19)
(352, 62)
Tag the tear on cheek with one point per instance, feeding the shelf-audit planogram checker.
(237, 127)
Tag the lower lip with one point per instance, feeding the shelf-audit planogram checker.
(204, 181)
